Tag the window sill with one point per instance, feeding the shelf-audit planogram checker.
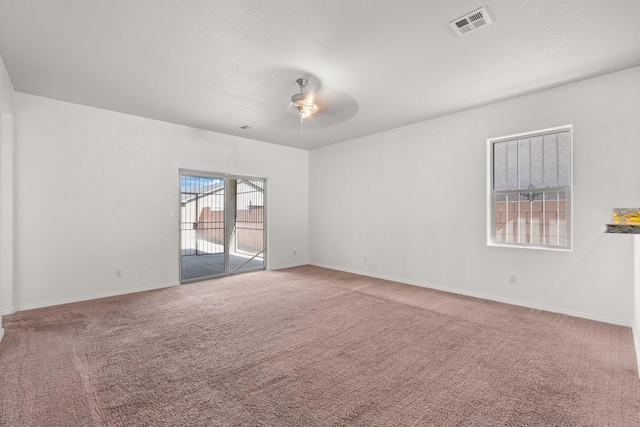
(535, 247)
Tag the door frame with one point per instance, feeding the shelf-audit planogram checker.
(226, 177)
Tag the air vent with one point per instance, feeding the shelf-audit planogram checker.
(246, 127)
(470, 22)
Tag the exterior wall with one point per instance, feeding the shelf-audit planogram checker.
(249, 232)
(367, 216)
(524, 221)
(209, 221)
(99, 191)
(249, 227)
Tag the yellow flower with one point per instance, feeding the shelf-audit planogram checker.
(632, 216)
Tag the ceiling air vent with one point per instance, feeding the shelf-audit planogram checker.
(246, 127)
(471, 22)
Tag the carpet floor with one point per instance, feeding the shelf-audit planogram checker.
(309, 346)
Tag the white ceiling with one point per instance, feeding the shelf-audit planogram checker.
(216, 65)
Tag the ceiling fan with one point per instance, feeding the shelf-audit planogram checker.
(317, 106)
(302, 104)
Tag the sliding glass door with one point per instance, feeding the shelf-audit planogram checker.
(222, 225)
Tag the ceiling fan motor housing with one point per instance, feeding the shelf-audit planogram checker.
(298, 98)
(300, 104)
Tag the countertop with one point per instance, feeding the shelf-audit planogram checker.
(622, 226)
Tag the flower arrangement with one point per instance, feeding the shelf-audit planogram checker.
(626, 215)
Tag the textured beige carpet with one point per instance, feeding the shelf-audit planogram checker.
(312, 347)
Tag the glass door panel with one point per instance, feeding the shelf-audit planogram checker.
(202, 203)
(247, 243)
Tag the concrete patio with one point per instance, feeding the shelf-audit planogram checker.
(204, 266)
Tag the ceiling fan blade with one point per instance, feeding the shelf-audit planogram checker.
(334, 107)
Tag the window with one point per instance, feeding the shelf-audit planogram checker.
(530, 189)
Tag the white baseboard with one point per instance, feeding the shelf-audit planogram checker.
(1, 334)
(6, 311)
(94, 296)
(485, 296)
(283, 266)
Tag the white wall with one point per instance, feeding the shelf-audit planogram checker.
(94, 191)
(6, 213)
(6, 193)
(6, 89)
(367, 217)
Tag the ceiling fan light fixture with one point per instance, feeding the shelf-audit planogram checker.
(301, 104)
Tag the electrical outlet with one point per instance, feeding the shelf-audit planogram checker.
(119, 272)
(295, 252)
(365, 258)
(513, 280)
